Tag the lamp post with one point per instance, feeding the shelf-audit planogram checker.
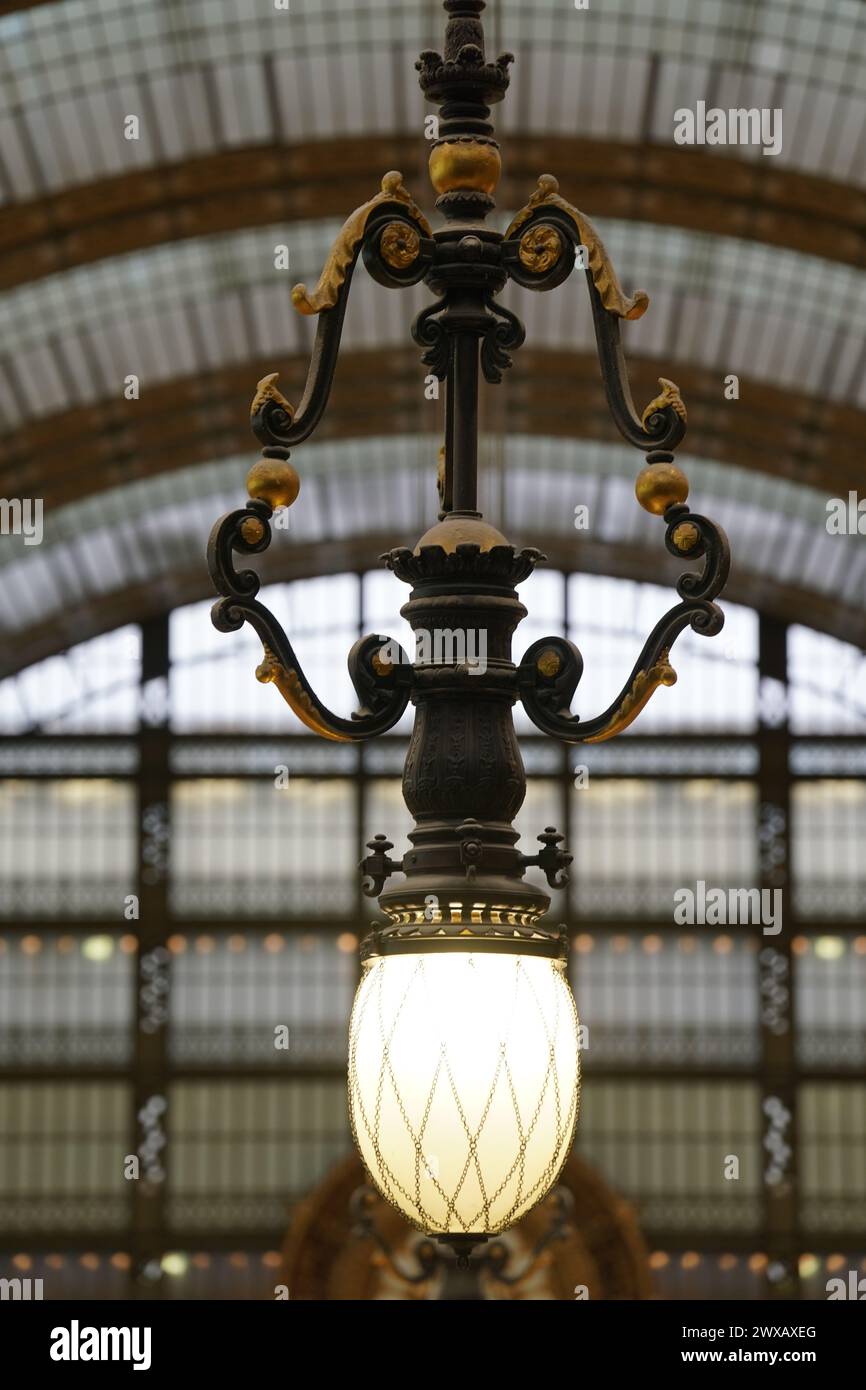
(463, 1056)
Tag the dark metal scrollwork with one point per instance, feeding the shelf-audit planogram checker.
(693, 537)
(550, 671)
(663, 423)
(464, 756)
(395, 252)
(430, 334)
(276, 424)
(382, 685)
(540, 250)
(504, 334)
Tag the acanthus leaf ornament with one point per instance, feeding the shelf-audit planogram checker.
(344, 252)
(505, 334)
(275, 424)
(267, 391)
(669, 397)
(599, 265)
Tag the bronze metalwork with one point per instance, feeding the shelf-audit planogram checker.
(642, 687)
(400, 245)
(351, 234)
(267, 391)
(670, 396)
(462, 883)
(599, 264)
(540, 248)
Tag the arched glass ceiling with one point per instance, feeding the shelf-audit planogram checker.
(92, 687)
(234, 72)
(150, 531)
(734, 306)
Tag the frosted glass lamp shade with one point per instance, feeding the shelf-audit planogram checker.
(464, 1084)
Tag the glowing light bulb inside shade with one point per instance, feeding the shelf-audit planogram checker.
(464, 1084)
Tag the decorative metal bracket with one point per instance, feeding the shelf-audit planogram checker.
(382, 686)
(540, 250)
(395, 238)
(504, 335)
(550, 671)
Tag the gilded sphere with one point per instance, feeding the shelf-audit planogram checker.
(252, 530)
(399, 245)
(686, 536)
(659, 486)
(465, 164)
(540, 249)
(548, 663)
(274, 481)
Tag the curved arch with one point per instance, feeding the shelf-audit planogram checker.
(230, 190)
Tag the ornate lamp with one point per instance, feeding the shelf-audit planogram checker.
(463, 1054)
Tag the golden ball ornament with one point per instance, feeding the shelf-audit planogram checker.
(274, 481)
(659, 486)
(465, 164)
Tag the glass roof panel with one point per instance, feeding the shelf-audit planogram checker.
(91, 688)
(198, 75)
(828, 684)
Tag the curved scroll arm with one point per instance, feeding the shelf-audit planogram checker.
(345, 249)
(543, 206)
(662, 424)
(382, 680)
(550, 671)
(275, 423)
(539, 249)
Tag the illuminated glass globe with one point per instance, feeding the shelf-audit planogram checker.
(464, 1084)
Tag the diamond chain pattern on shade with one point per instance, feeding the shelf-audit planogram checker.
(464, 1085)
